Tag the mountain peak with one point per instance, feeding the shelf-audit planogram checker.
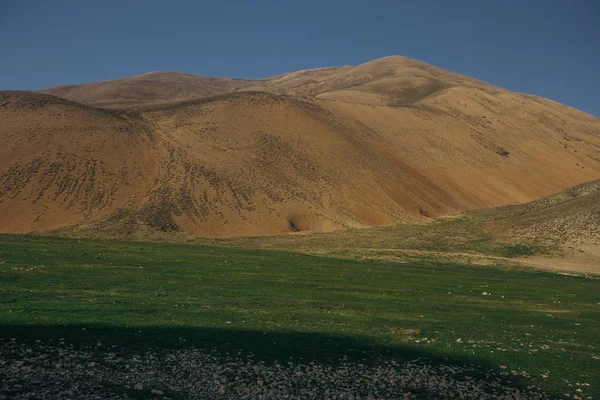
(382, 143)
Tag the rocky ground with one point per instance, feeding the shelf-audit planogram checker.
(58, 370)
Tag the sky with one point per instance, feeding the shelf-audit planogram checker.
(550, 48)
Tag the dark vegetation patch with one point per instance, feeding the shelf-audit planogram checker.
(518, 250)
(407, 96)
(254, 97)
(86, 184)
(158, 212)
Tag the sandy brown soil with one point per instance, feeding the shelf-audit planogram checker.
(387, 142)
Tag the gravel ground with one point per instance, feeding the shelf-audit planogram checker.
(57, 370)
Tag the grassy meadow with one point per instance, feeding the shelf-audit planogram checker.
(533, 325)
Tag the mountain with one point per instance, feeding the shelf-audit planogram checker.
(149, 88)
(63, 162)
(391, 81)
(390, 141)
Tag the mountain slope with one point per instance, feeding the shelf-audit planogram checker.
(62, 162)
(149, 88)
(570, 217)
(391, 141)
(560, 232)
(390, 80)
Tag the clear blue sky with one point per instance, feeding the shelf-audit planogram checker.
(545, 47)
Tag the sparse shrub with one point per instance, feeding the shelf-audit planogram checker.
(518, 250)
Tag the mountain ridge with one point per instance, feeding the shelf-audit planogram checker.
(390, 141)
(313, 82)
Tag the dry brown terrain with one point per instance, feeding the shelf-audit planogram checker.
(559, 232)
(387, 142)
(570, 217)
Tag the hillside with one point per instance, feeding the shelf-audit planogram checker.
(568, 221)
(62, 162)
(391, 141)
(557, 232)
(393, 80)
(569, 217)
(149, 88)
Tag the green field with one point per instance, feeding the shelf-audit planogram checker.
(278, 305)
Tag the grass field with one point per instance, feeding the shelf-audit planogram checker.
(473, 234)
(542, 326)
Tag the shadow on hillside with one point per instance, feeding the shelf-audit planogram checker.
(261, 346)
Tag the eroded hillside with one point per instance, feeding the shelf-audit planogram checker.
(387, 142)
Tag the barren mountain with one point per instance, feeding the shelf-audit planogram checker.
(390, 141)
(167, 87)
(149, 88)
(391, 80)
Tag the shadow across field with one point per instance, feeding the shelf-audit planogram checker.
(151, 298)
(265, 346)
(268, 347)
